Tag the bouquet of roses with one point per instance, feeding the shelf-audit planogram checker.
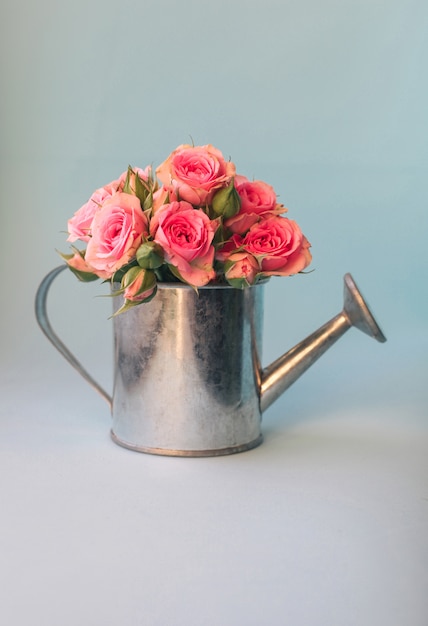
(194, 220)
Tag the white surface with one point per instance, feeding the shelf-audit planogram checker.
(324, 524)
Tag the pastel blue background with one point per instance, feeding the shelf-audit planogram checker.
(325, 100)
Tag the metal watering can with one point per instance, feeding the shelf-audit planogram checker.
(187, 375)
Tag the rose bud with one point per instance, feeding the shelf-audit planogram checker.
(241, 270)
(226, 201)
(150, 255)
(138, 285)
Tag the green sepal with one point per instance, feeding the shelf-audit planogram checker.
(227, 265)
(238, 283)
(127, 184)
(242, 283)
(174, 271)
(143, 193)
(143, 190)
(128, 304)
(147, 202)
(85, 277)
(64, 256)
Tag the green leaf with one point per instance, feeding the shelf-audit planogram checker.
(125, 307)
(141, 190)
(85, 277)
(129, 304)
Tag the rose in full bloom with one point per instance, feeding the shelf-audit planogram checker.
(79, 226)
(257, 199)
(117, 230)
(256, 196)
(196, 172)
(196, 222)
(279, 246)
(185, 234)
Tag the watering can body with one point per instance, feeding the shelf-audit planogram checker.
(188, 379)
(187, 372)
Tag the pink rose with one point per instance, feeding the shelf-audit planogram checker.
(79, 226)
(241, 269)
(117, 231)
(279, 246)
(139, 284)
(197, 172)
(256, 196)
(185, 235)
(257, 199)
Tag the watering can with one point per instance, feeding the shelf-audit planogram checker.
(188, 379)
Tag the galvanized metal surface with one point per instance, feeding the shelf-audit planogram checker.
(283, 372)
(45, 325)
(187, 371)
(188, 379)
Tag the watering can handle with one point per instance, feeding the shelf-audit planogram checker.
(44, 323)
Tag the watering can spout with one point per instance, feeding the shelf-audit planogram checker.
(282, 373)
